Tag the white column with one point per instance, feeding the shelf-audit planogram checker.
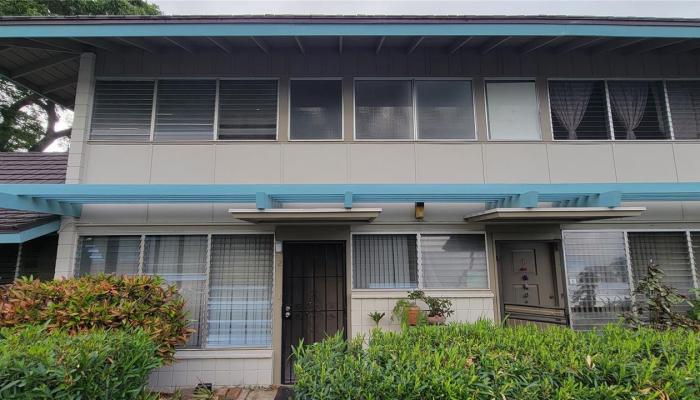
(67, 235)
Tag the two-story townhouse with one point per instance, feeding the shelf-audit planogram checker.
(293, 174)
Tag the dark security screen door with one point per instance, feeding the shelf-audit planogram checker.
(313, 295)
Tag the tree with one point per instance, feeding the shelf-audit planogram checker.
(27, 120)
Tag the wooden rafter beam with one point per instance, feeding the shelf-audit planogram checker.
(537, 44)
(261, 45)
(577, 44)
(100, 44)
(58, 85)
(415, 44)
(179, 43)
(140, 44)
(224, 46)
(41, 65)
(29, 44)
(615, 45)
(300, 45)
(459, 44)
(66, 45)
(647, 46)
(380, 43)
(687, 46)
(491, 45)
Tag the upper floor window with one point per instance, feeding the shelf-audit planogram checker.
(406, 109)
(684, 103)
(185, 110)
(122, 110)
(315, 109)
(513, 111)
(248, 109)
(615, 109)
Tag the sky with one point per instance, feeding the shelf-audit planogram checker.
(618, 8)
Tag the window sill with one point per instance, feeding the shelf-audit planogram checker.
(196, 354)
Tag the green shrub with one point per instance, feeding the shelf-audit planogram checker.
(99, 301)
(483, 361)
(36, 364)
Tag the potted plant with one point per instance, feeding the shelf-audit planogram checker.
(376, 317)
(438, 310)
(406, 310)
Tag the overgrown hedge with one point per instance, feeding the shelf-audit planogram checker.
(483, 361)
(99, 302)
(109, 365)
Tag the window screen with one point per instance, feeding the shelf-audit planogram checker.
(579, 110)
(638, 110)
(315, 109)
(185, 109)
(122, 110)
(385, 262)
(444, 109)
(240, 291)
(513, 113)
(684, 102)
(597, 280)
(108, 254)
(667, 249)
(383, 109)
(248, 109)
(181, 261)
(454, 262)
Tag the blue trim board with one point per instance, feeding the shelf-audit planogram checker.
(31, 233)
(67, 199)
(67, 30)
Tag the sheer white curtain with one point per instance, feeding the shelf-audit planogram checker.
(569, 101)
(629, 100)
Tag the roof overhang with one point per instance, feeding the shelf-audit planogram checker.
(553, 214)
(30, 233)
(41, 53)
(305, 215)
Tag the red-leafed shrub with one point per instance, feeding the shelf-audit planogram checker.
(107, 302)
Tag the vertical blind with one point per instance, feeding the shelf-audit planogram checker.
(122, 110)
(185, 109)
(248, 109)
(108, 254)
(684, 102)
(444, 109)
(383, 109)
(181, 261)
(315, 109)
(385, 262)
(240, 291)
(513, 110)
(239, 279)
(597, 280)
(454, 262)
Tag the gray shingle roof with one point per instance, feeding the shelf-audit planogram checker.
(29, 168)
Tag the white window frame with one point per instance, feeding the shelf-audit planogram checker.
(486, 81)
(628, 258)
(611, 130)
(204, 307)
(419, 261)
(289, 108)
(154, 107)
(415, 137)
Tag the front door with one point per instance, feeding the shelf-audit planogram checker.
(313, 295)
(529, 289)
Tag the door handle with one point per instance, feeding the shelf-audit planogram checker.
(287, 312)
